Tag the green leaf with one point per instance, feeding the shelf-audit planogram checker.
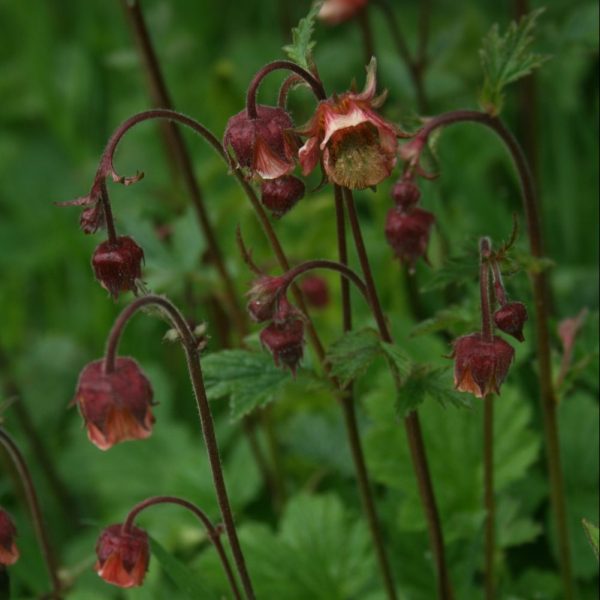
(187, 582)
(250, 379)
(353, 353)
(456, 270)
(425, 381)
(453, 319)
(506, 58)
(591, 531)
(300, 50)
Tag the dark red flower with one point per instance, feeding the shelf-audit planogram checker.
(405, 194)
(123, 556)
(480, 365)
(115, 406)
(510, 318)
(315, 291)
(265, 147)
(118, 265)
(281, 194)
(9, 553)
(337, 11)
(265, 294)
(356, 146)
(285, 341)
(408, 233)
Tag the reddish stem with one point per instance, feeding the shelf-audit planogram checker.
(211, 530)
(489, 503)
(485, 251)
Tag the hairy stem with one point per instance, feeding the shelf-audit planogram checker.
(39, 525)
(540, 287)
(206, 421)
(411, 422)
(488, 494)
(485, 250)
(211, 530)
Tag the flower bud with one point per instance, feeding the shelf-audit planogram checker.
(405, 194)
(285, 341)
(510, 318)
(480, 365)
(264, 297)
(265, 147)
(408, 233)
(123, 556)
(118, 265)
(315, 291)
(337, 11)
(281, 194)
(115, 406)
(9, 553)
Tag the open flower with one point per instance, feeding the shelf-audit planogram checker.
(265, 147)
(9, 553)
(116, 406)
(337, 11)
(356, 146)
(123, 556)
(481, 365)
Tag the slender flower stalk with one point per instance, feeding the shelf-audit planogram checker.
(39, 524)
(540, 294)
(411, 422)
(212, 531)
(192, 354)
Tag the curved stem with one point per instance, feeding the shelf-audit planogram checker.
(108, 216)
(206, 420)
(488, 487)
(278, 65)
(540, 287)
(180, 155)
(211, 530)
(36, 512)
(411, 422)
(345, 271)
(485, 251)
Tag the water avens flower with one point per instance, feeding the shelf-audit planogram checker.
(9, 553)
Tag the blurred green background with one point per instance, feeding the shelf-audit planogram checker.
(69, 74)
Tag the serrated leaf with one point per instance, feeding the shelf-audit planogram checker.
(457, 270)
(448, 319)
(249, 379)
(506, 58)
(591, 531)
(424, 381)
(185, 581)
(300, 50)
(351, 355)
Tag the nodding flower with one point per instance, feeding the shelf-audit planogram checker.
(337, 11)
(9, 553)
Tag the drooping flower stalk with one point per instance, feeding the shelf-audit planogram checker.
(212, 531)
(539, 281)
(192, 354)
(39, 524)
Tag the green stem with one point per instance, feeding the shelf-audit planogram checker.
(540, 286)
(489, 503)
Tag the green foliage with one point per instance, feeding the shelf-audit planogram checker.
(506, 58)
(302, 46)
(249, 379)
(353, 353)
(591, 531)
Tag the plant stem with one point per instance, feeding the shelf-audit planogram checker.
(485, 250)
(108, 216)
(206, 421)
(540, 287)
(211, 530)
(362, 18)
(34, 506)
(348, 408)
(411, 422)
(181, 156)
(488, 487)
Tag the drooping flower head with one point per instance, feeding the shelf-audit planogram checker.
(123, 556)
(9, 553)
(481, 365)
(265, 147)
(116, 406)
(285, 341)
(337, 11)
(405, 194)
(511, 318)
(118, 265)
(355, 145)
(408, 233)
(264, 297)
(281, 195)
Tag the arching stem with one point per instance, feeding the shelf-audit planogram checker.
(540, 294)
(39, 524)
(211, 530)
(206, 421)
